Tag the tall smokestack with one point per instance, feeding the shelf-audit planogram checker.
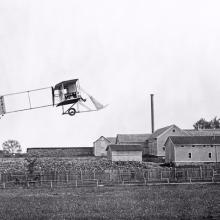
(152, 112)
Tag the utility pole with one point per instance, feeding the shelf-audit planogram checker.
(152, 112)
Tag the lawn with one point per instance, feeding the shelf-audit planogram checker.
(145, 202)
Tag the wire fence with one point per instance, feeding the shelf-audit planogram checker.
(109, 177)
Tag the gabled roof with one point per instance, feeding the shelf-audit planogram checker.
(132, 138)
(160, 131)
(195, 140)
(112, 139)
(102, 137)
(124, 147)
(202, 132)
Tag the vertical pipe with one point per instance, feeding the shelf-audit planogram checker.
(152, 112)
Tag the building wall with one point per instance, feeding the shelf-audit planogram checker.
(199, 153)
(161, 140)
(1, 153)
(145, 148)
(109, 154)
(126, 155)
(152, 147)
(169, 152)
(60, 152)
(100, 146)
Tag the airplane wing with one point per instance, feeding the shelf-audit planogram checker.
(26, 100)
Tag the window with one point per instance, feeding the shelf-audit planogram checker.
(163, 148)
(204, 146)
(190, 155)
(182, 145)
(211, 145)
(174, 130)
(210, 155)
(193, 145)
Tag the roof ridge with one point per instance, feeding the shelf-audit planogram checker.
(201, 140)
(159, 131)
(133, 134)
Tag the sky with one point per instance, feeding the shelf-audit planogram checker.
(121, 52)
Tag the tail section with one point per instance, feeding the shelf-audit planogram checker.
(97, 104)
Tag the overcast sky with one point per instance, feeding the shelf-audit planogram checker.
(121, 51)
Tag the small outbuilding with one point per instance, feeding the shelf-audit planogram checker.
(100, 145)
(192, 149)
(140, 139)
(124, 152)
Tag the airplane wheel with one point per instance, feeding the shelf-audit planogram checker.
(72, 111)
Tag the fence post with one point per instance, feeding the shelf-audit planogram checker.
(67, 177)
(80, 174)
(40, 178)
(143, 175)
(213, 175)
(175, 173)
(51, 184)
(161, 175)
(200, 172)
(76, 183)
(3, 184)
(97, 183)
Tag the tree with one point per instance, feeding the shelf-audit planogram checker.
(203, 124)
(31, 164)
(215, 123)
(11, 147)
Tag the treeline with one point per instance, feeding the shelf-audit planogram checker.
(204, 124)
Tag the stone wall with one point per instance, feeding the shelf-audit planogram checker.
(60, 152)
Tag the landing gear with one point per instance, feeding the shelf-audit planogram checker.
(71, 111)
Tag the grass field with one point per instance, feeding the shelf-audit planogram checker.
(149, 202)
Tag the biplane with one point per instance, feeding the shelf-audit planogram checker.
(67, 94)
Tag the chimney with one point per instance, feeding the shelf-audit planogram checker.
(152, 112)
